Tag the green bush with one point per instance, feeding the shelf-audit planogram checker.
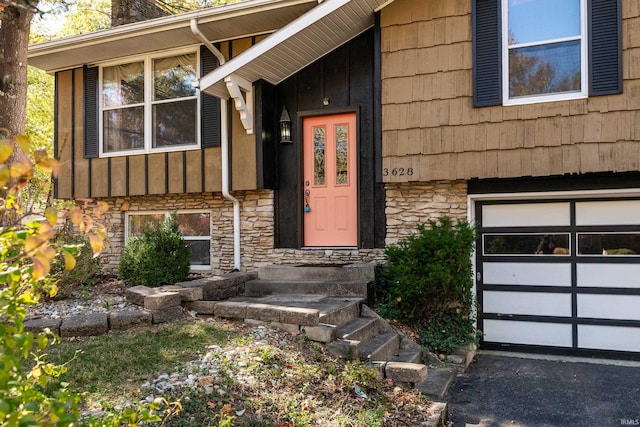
(427, 282)
(87, 265)
(158, 257)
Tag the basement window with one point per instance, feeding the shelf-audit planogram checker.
(195, 227)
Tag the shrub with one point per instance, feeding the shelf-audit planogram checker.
(427, 282)
(158, 257)
(86, 267)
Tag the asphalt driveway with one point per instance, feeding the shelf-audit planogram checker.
(513, 391)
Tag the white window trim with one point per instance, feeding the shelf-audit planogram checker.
(564, 96)
(167, 213)
(148, 104)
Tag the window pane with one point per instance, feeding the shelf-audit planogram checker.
(609, 244)
(174, 123)
(545, 69)
(123, 84)
(174, 77)
(342, 145)
(318, 156)
(138, 223)
(526, 244)
(194, 224)
(200, 252)
(538, 20)
(123, 129)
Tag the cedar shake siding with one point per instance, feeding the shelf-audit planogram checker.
(432, 131)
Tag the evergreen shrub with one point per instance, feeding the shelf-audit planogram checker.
(158, 257)
(427, 282)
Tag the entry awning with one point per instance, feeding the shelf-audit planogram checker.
(236, 20)
(296, 45)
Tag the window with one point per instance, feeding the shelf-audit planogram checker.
(195, 227)
(150, 105)
(543, 50)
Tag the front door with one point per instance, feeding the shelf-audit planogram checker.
(330, 181)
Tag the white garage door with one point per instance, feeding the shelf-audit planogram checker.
(560, 276)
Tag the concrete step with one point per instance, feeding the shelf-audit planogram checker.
(353, 271)
(438, 383)
(347, 349)
(359, 329)
(380, 348)
(334, 287)
(407, 356)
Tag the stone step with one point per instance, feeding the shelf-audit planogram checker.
(380, 348)
(405, 372)
(407, 356)
(354, 271)
(343, 314)
(336, 288)
(347, 349)
(243, 309)
(438, 383)
(359, 329)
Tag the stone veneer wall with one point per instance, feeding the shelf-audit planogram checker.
(257, 231)
(413, 203)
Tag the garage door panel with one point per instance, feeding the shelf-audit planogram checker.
(526, 303)
(528, 333)
(617, 338)
(615, 307)
(609, 275)
(527, 273)
(526, 215)
(621, 212)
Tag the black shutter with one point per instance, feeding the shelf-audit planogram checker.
(209, 105)
(487, 47)
(605, 47)
(90, 81)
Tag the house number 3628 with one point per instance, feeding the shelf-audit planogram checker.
(397, 171)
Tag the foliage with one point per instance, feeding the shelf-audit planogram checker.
(159, 256)
(30, 394)
(87, 266)
(427, 282)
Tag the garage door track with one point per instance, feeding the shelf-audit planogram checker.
(512, 391)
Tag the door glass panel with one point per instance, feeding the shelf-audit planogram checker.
(319, 139)
(609, 244)
(526, 244)
(342, 145)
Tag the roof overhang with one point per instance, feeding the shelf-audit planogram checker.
(296, 45)
(237, 20)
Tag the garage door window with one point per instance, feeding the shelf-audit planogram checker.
(195, 227)
(507, 244)
(609, 244)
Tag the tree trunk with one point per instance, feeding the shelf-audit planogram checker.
(15, 23)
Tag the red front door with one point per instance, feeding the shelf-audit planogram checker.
(330, 181)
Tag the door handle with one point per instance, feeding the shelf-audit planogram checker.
(307, 208)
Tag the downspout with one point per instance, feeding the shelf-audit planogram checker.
(224, 145)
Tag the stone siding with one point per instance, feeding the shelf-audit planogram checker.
(411, 204)
(256, 235)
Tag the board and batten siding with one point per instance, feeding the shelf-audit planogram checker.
(431, 131)
(190, 171)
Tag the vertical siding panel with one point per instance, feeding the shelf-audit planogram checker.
(137, 175)
(176, 172)
(155, 175)
(99, 177)
(212, 165)
(80, 163)
(118, 176)
(194, 172)
(243, 157)
(65, 95)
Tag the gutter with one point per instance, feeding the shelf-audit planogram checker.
(224, 145)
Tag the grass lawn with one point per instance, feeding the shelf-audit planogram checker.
(275, 380)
